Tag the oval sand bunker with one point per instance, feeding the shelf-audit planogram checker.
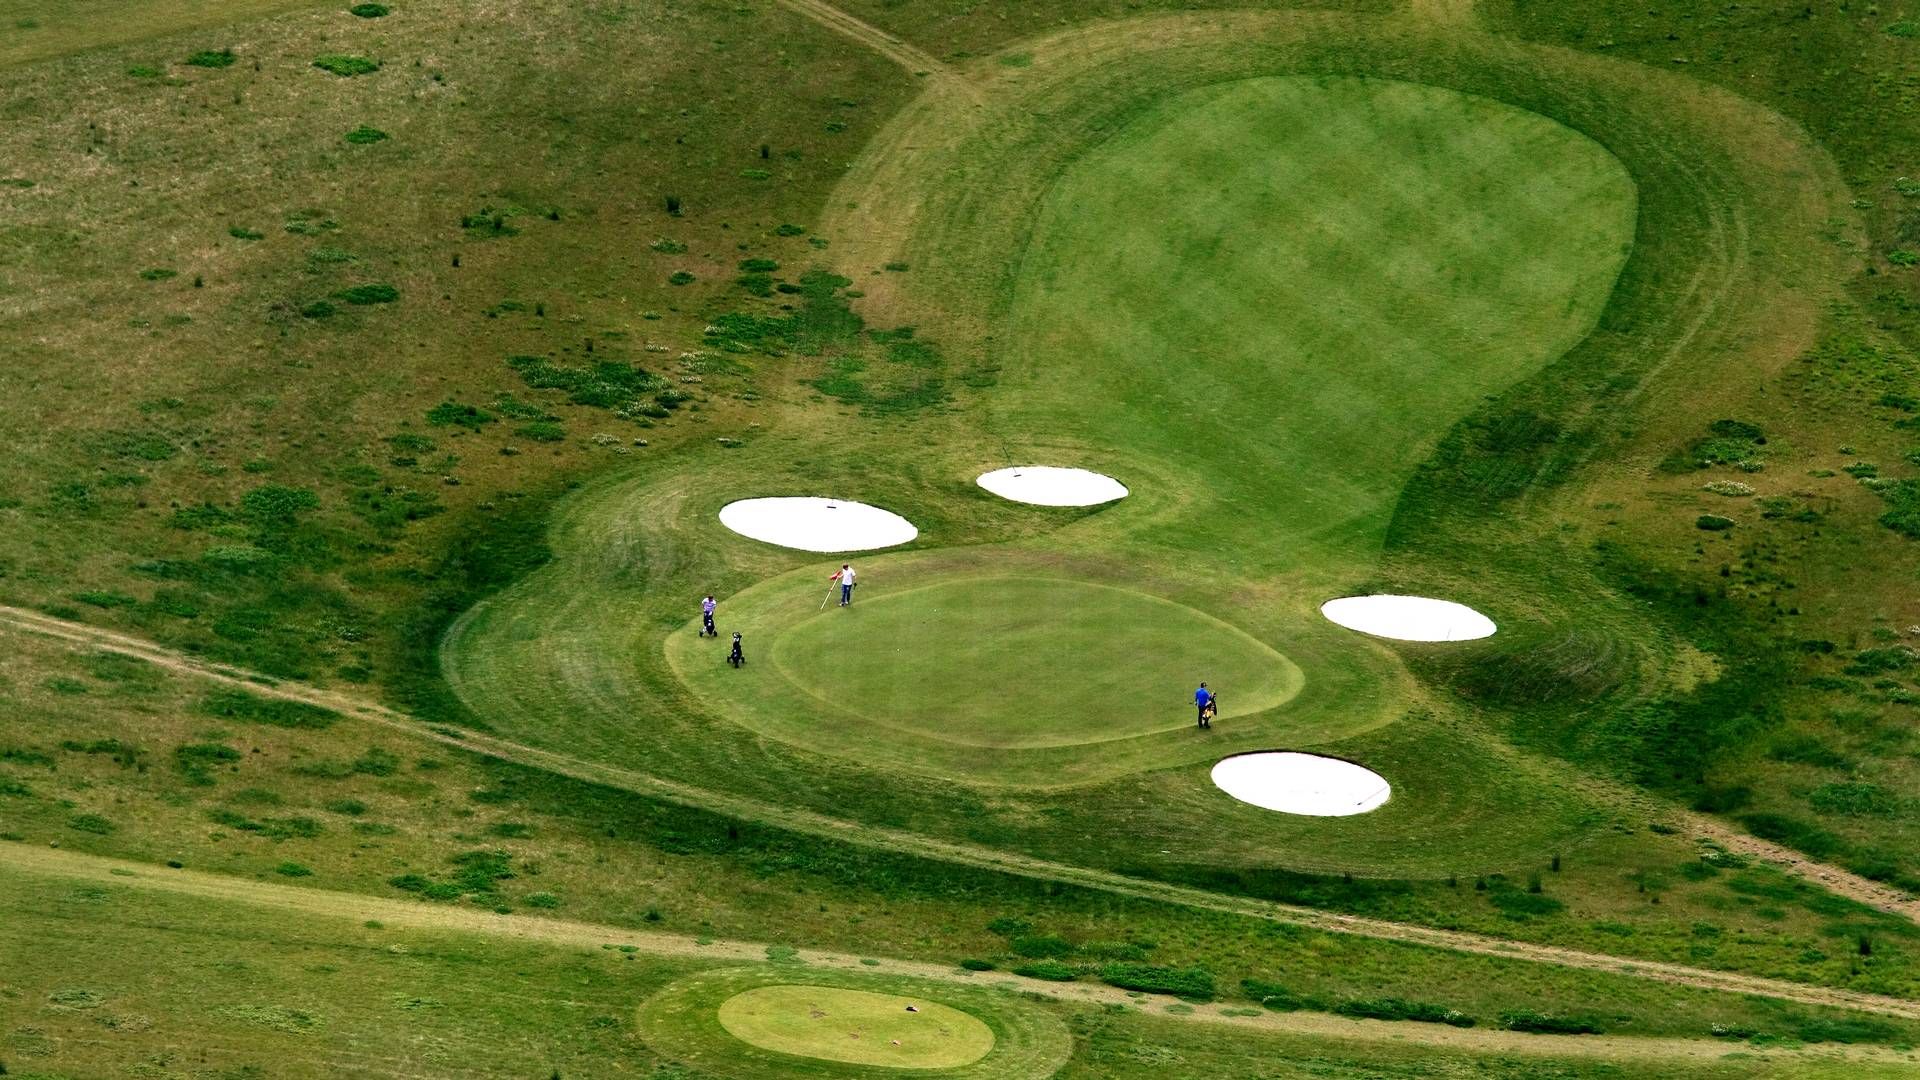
(858, 1027)
(1301, 783)
(1052, 485)
(1408, 618)
(813, 524)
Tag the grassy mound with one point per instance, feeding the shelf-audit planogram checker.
(856, 1026)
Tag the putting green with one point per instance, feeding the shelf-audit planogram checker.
(856, 1026)
(1021, 662)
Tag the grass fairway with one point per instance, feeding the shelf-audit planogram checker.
(1018, 662)
(856, 1026)
(1292, 286)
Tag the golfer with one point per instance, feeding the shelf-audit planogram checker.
(845, 577)
(706, 617)
(1203, 704)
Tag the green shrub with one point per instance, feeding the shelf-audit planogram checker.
(364, 135)
(105, 599)
(1519, 904)
(91, 823)
(158, 273)
(1807, 837)
(144, 71)
(1050, 970)
(1849, 1030)
(1008, 926)
(1903, 257)
(1881, 661)
(668, 247)
(789, 230)
(977, 965)
(369, 294)
(680, 277)
(1854, 799)
(755, 174)
(542, 431)
(212, 58)
(349, 807)
(1195, 983)
(196, 760)
(1905, 28)
(345, 66)
(239, 232)
(1041, 946)
(231, 703)
(542, 900)
(1541, 1023)
(1713, 523)
(1273, 996)
(756, 284)
(452, 413)
(369, 11)
(1391, 1008)
(759, 266)
(319, 309)
(292, 869)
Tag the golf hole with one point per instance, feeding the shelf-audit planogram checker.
(1408, 618)
(1304, 784)
(814, 524)
(1052, 485)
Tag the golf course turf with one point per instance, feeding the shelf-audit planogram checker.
(856, 1026)
(1233, 327)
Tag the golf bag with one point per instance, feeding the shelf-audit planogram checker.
(1207, 713)
(706, 625)
(736, 657)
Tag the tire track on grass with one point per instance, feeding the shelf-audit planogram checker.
(917, 61)
(415, 915)
(917, 845)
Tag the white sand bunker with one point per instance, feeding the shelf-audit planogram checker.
(1408, 618)
(810, 524)
(1301, 783)
(1051, 485)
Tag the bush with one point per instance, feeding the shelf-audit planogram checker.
(345, 66)
(194, 760)
(542, 900)
(977, 965)
(1713, 523)
(369, 294)
(467, 416)
(1794, 833)
(1008, 926)
(680, 277)
(91, 823)
(1541, 1023)
(756, 284)
(236, 704)
(239, 232)
(542, 431)
(1520, 904)
(1397, 1009)
(668, 247)
(364, 135)
(1041, 946)
(369, 11)
(319, 309)
(349, 807)
(1854, 799)
(212, 58)
(1273, 996)
(158, 273)
(1050, 970)
(759, 266)
(1194, 982)
(292, 869)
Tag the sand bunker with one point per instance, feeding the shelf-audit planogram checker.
(1051, 485)
(811, 524)
(1301, 783)
(1408, 618)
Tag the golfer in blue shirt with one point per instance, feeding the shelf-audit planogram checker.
(1203, 702)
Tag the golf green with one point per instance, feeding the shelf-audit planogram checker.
(1022, 662)
(856, 1026)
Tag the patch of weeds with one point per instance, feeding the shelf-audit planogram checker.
(1905, 28)
(310, 223)
(292, 869)
(1854, 799)
(212, 58)
(143, 71)
(349, 807)
(1903, 257)
(543, 900)
(668, 247)
(510, 830)
(789, 230)
(1545, 1024)
(758, 266)
(1041, 946)
(1713, 523)
(105, 599)
(1050, 970)
(158, 273)
(755, 174)
(276, 1017)
(1391, 1008)
(197, 760)
(1193, 983)
(235, 704)
(976, 965)
(1793, 832)
(610, 384)
(452, 413)
(15, 755)
(548, 431)
(368, 294)
(345, 66)
(319, 309)
(91, 823)
(896, 267)
(369, 11)
(1519, 904)
(756, 284)
(241, 232)
(680, 277)
(1849, 1030)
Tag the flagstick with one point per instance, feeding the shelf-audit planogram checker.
(831, 582)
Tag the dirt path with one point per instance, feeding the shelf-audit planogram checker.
(419, 916)
(914, 844)
(917, 61)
